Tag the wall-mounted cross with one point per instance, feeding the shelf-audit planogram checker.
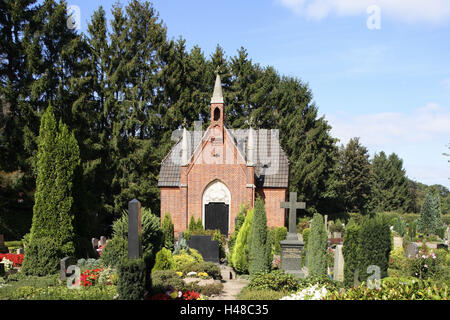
(293, 205)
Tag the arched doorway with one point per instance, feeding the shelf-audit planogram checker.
(216, 207)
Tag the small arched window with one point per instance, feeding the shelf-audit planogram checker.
(216, 114)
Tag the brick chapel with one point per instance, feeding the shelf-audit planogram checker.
(209, 174)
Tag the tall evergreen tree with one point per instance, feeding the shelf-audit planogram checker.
(426, 221)
(355, 174)
(53, 213)
(259, 249)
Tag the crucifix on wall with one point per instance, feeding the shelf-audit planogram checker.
(292, 206)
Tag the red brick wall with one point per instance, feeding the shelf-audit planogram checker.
(272, 199)
(171, 203)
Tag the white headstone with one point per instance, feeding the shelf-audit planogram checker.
(338, 263)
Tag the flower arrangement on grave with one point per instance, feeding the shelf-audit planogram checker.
(7, 263)
(424, 264)
(89, 277)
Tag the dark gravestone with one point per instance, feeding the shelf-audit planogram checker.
(291, 248)
(209, 249)
(442, 246)
(134, 229)
(64, 264)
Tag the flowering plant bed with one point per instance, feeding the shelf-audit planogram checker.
(16, 259)
(89, 277)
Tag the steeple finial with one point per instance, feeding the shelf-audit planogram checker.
(217, 94)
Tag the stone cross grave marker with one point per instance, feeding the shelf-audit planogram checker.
(292, 206)
(134, 229)
(291, 248)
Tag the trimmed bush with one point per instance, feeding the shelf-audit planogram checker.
(400, 226)
(279, 235)
(131, 282)
(350, 251)
(164, 260)
(317, 247)
(152, 235)
(42, 257)
(210, 268)
(276, 280)
(305, 234)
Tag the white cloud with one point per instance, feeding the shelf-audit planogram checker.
(419, 137)
(411, 11)
(424, 124)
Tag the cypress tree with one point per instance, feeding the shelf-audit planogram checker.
(317, 247)
(168, 231)
(53, 212)
(239, 221)
(351, 251)
(260, 248)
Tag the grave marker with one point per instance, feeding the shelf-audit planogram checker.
(134, 229)
(338, 264)
(412, 250)
(291, 247)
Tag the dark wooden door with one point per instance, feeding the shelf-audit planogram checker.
(216, 216)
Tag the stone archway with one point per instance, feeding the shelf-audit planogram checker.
(216, 202)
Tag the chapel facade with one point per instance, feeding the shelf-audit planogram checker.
(209, 174)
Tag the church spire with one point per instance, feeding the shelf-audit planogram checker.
(217, 94)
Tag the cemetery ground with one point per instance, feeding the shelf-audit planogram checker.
(418, 265)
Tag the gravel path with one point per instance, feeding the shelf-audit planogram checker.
(231, 288)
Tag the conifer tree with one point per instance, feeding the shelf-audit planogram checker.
(260, 250)
(355, 175)
(53, 213)
(168, 231)
(317, 247)
(240, 256)
(426, 221)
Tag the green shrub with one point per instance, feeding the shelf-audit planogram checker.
(131, 282)
(210, 268)
(241, 249)
(115, 250)
(305, 235)
(108, 276)
(280, 234)
(259, 250)
(165, 280)
(400, 226)
(58, 293)
(152, 234)
(412, 229)
(168, 231)
(317, 247)
(398, 260)
(276, 280)
(183, 258)
(42, 257)
(239, 222)
(164, 260)
(395, 289)
(210, 289)
(252, 294)
(375, 246)
(351, 253)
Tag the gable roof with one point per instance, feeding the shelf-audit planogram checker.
(271, 167)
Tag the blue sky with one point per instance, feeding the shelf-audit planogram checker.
(389, 86)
